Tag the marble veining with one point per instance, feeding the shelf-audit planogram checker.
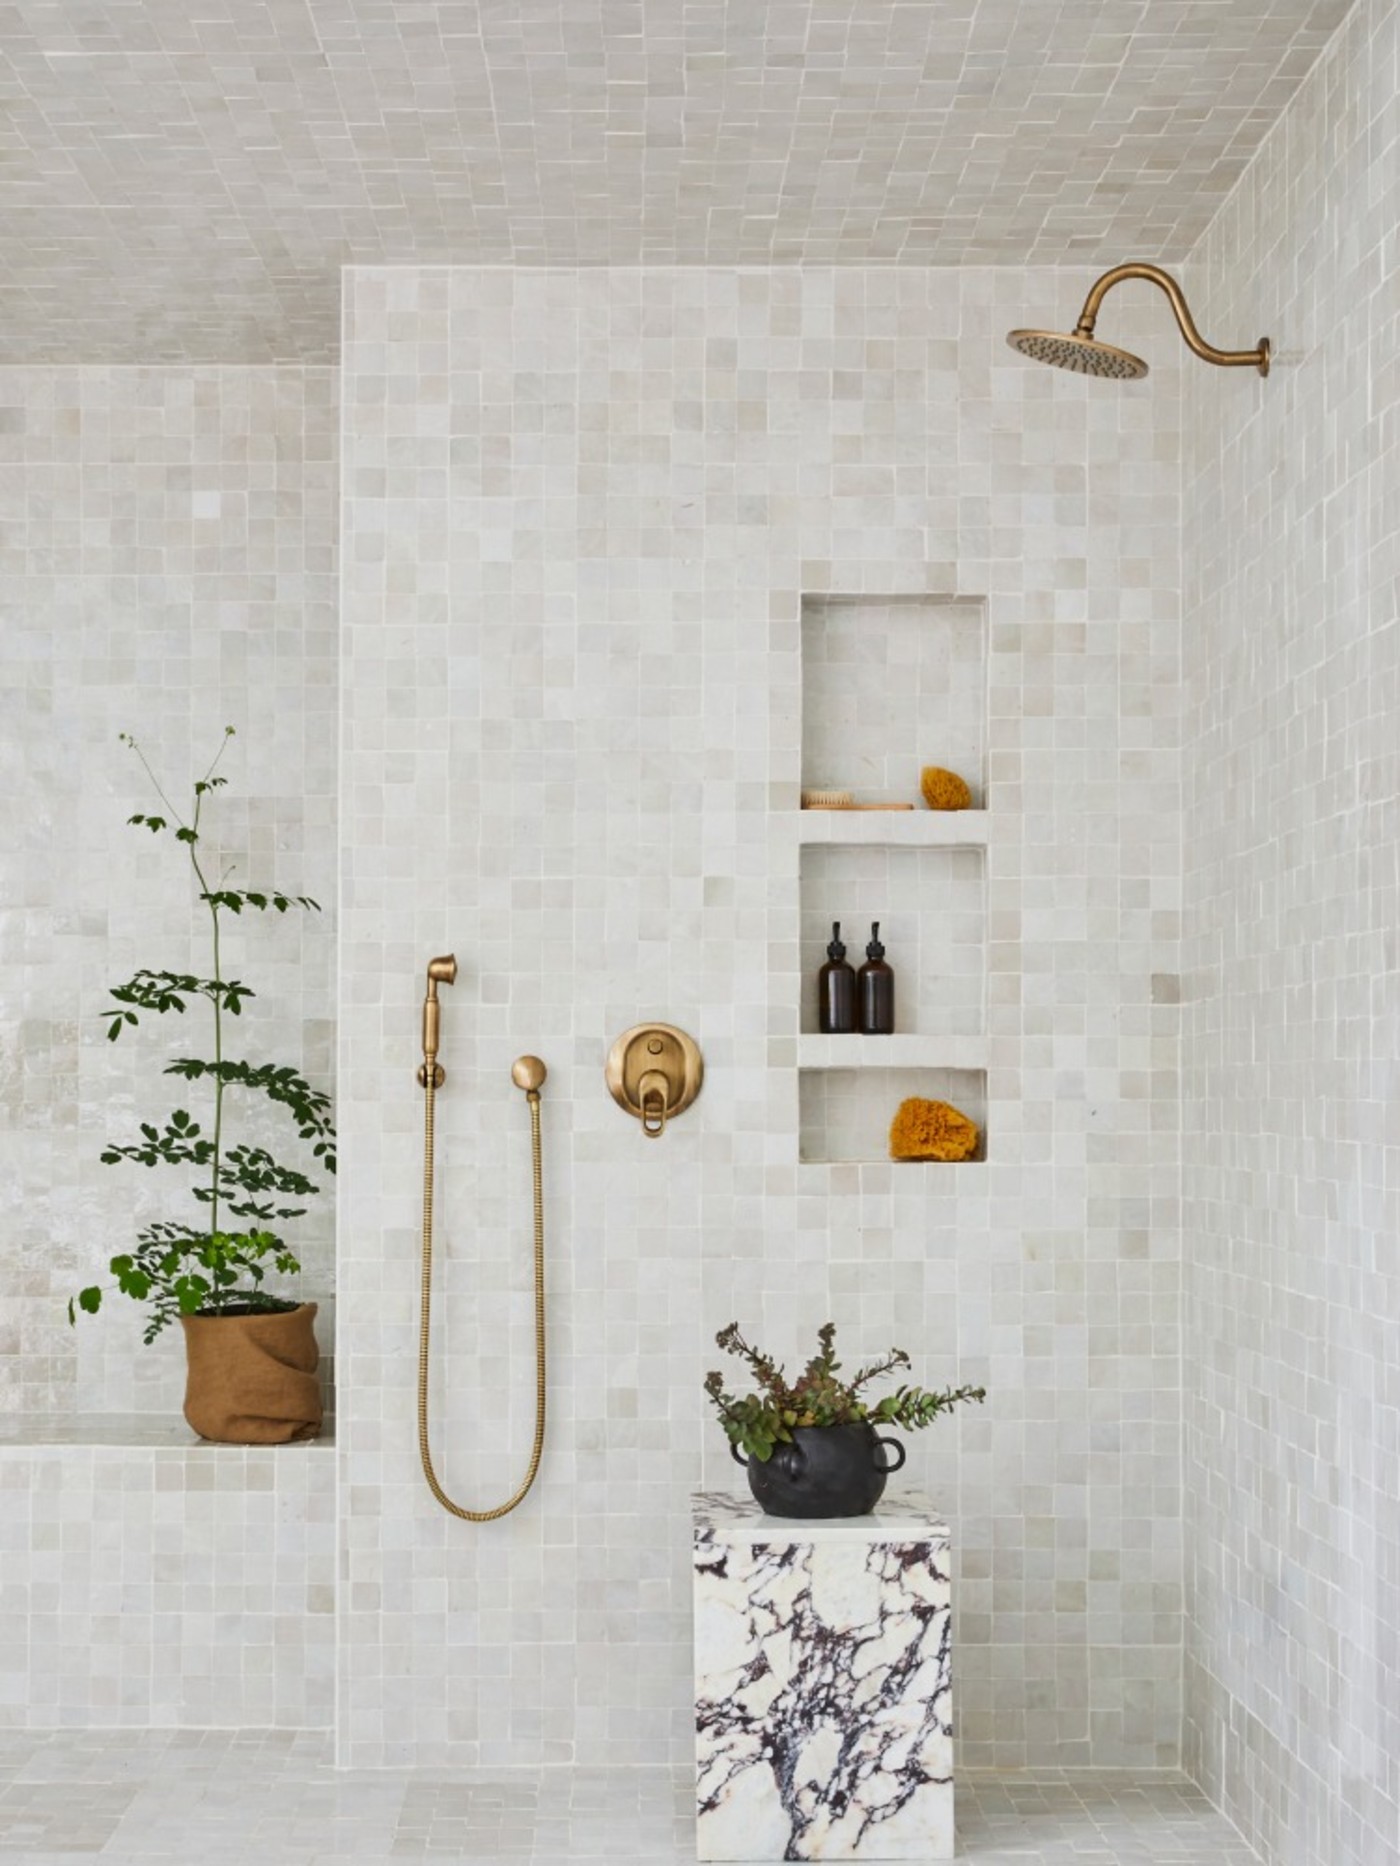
(823, 1685)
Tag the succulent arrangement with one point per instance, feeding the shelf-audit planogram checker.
(756, 1422)
(216, 1265)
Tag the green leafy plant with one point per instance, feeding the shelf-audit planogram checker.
(215, 1266)
(756, 1422)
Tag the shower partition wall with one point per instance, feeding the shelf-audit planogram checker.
(582, 512)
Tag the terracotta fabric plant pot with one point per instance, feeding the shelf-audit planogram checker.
(252, 1378)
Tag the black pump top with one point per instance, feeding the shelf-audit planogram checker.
(836, 950)
(875, 950)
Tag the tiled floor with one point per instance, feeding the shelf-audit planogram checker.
(221, 1797)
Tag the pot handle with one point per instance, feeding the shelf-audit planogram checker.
(790, 1458)
(898, 1445)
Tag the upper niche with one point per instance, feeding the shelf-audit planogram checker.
(889, 685)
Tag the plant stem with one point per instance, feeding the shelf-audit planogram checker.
(217, 998)
(217, 1001)
(896, 1358)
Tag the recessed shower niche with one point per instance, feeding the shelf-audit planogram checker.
(891, 684)
(844, 1114)
(930, 904)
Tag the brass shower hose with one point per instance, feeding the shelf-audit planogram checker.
(533, 1097)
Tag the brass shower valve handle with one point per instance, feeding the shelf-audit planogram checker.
(654, 1093)
(654, 1072)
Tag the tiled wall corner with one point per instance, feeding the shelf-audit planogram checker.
(1291, 1162)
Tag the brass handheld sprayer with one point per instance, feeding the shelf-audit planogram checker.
(441, 971)
(528, 1073)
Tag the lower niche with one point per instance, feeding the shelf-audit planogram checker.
(844, 1115)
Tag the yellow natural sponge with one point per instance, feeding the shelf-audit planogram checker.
(931, 1130)
(943, 790)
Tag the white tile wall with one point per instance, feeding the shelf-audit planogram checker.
(581, 513)
(167, 558)
(1292, 546)
(581, 510)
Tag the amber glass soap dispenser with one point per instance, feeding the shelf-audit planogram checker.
(836, 989)
(875, 989)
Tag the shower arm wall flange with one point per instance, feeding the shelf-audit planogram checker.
(1138, 269)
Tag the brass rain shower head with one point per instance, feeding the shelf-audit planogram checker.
(1085, 355)
(1080, 350)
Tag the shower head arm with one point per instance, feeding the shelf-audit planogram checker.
(1138, 269)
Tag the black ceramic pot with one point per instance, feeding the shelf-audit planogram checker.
(828, 1470)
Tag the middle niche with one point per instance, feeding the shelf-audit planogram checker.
(931, 908)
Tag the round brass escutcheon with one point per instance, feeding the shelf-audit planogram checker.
(528, 1073)
(654, 1071)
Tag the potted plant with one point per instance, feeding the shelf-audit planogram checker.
(251, 1353)
(812, 1448)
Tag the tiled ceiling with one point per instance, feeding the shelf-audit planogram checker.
(183, 178)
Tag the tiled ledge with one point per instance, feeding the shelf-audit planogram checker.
(920, 829)
(152, 1579)
(905, 1051)
(128, 1432)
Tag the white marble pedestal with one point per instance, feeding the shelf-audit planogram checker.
(823, 1683)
